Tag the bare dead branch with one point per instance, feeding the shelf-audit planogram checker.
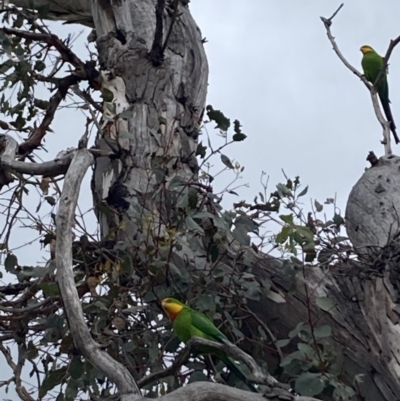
(83, 341)
(372, 89)
(52, 168)
(372, 158)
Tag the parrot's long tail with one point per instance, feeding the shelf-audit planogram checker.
(389, 117)
(233, 367)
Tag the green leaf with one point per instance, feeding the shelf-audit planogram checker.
(287, 218)
(303, 192)
(296, 330)
(11, 262)
(239, 137)
(201, 150)
(4, 67)
(284, 190)
(175, 269)
(39, 65)
(306, 350)
(72, 390)
(338, 219)
(309, 384)
(318, 206)
(129, 346)
(126, 114)
(307, 233)
(223, 123)
(274, 296)
(203, 215)
(76, 368)
(283, 235)
(175, 182)
(192, 225)
(323, 331)
(240, 235)
(198, 376)
(325, 304)
(50, 289)
(60, 397)
(253, 291)
(50, 200)
(126, 135)
(107, 95)
(156, 136)
(282, 343)
(227, 161)
(53, 379)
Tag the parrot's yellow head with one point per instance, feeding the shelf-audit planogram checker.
(366, 49)
(172, 307)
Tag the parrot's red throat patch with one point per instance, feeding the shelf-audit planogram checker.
(173, 315)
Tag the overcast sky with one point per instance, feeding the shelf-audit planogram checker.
(273, 68)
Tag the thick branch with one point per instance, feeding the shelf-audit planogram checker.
(206, 391)
(71, 11)
(236, 353)
(83, 341)
(52, 168)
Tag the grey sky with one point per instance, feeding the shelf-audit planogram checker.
(273, 68)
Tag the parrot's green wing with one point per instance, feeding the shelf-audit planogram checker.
(372, 64)
(204, 324)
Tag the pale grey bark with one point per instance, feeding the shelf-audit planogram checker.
(373, 208)
(51, 168)
(79, 331)
(71, 11)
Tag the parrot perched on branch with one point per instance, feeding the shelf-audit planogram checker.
(372, 64)
(188, 323)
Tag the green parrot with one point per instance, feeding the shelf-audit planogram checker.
(372, 63)
(188, 323)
